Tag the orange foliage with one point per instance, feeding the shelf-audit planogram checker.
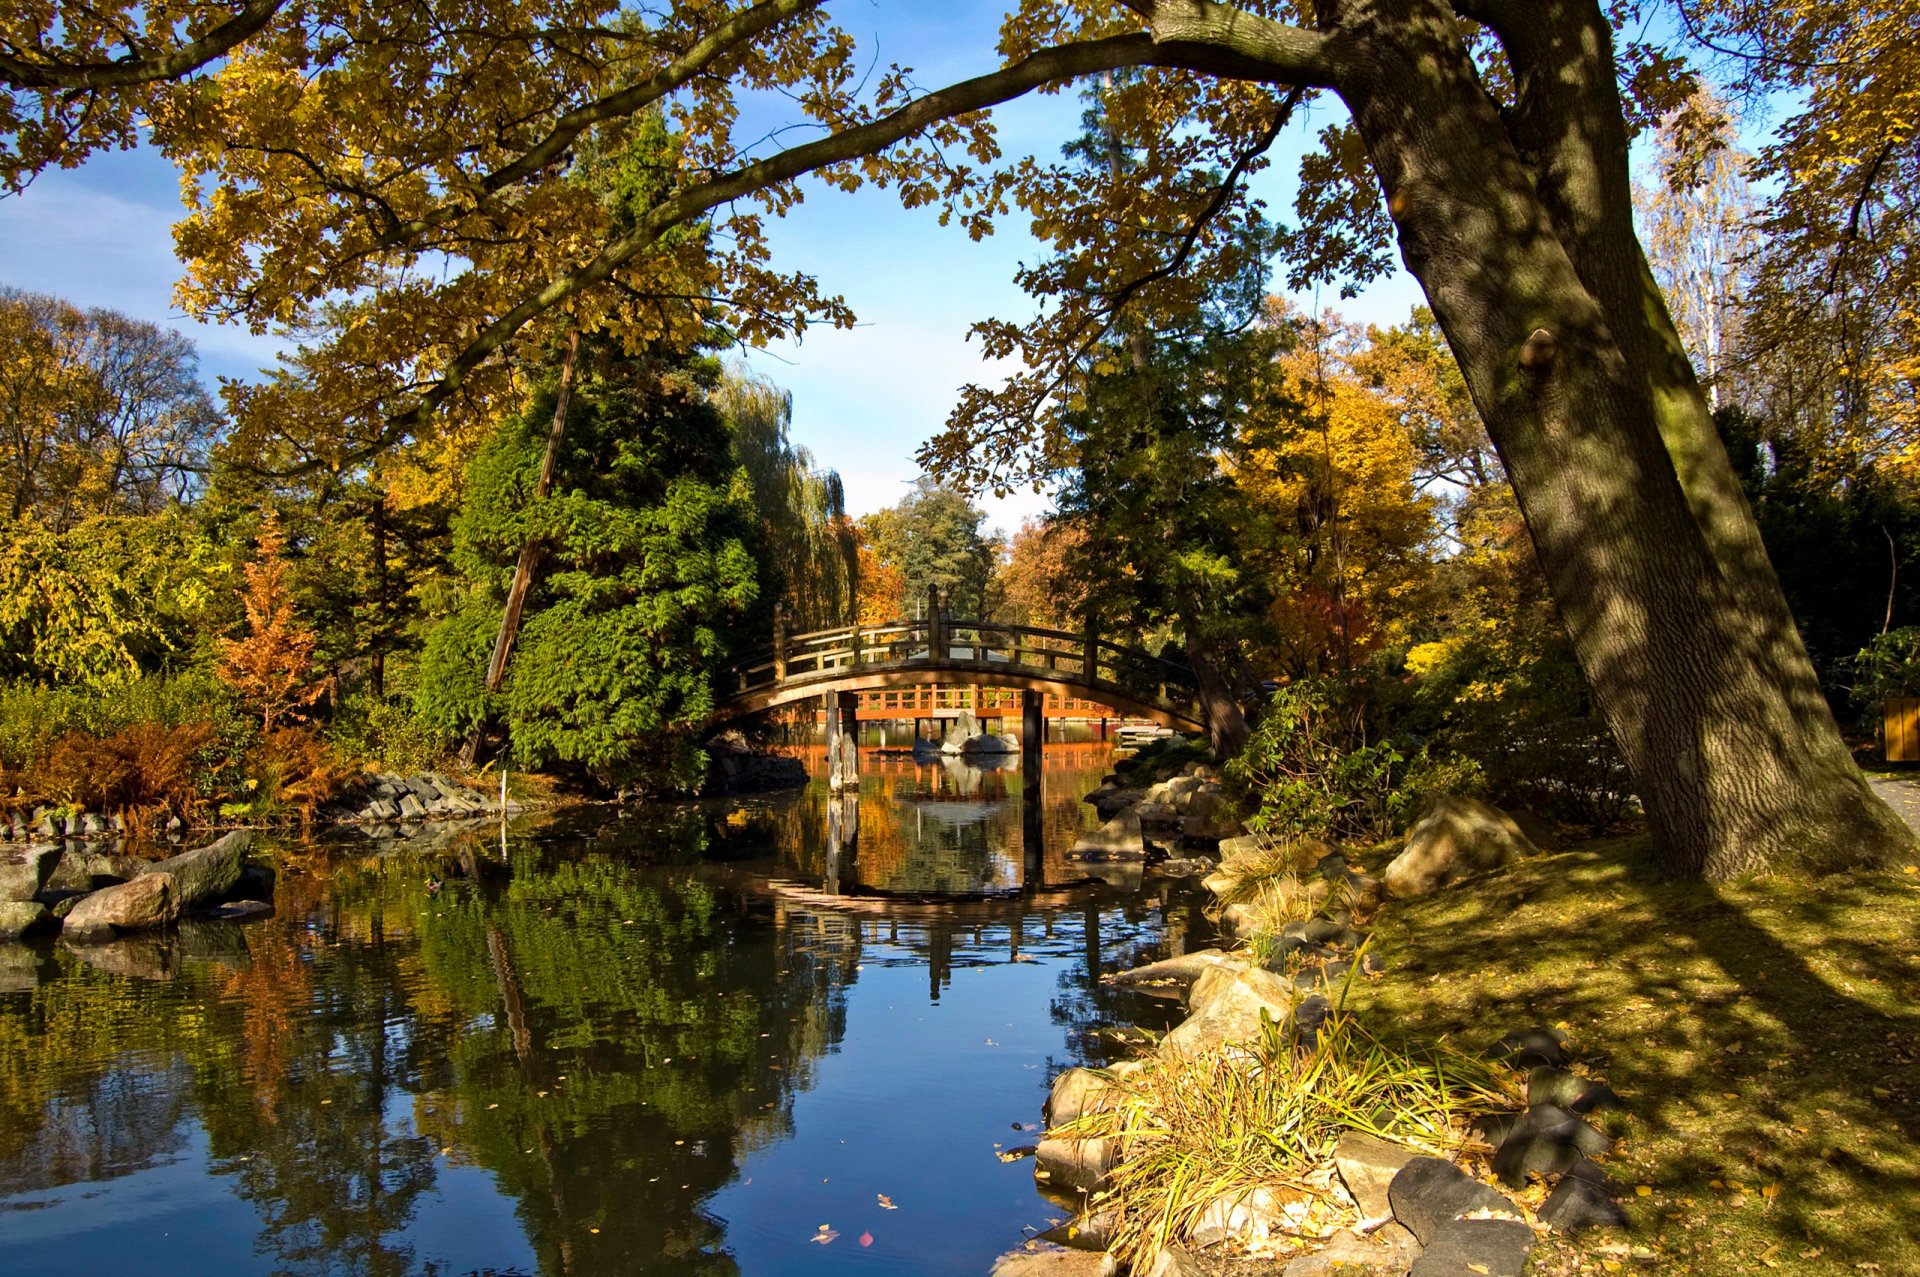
(139, 770)
(294, 766)
(1038, 577)
(272, 667)
(883, 590)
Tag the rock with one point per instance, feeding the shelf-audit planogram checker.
(988, 743)
(1468, 1247)
(1092, 1230)
(1457, 837)
(1119, 836)
(23, 917)
(255, 885)
(238, 909)
(1367, 1165)
(1583, 1199)
(383, 809)
(143, 957)
(92, 826)
(1080, 1165)
(1050, 1263)
(1183, 867)
(1533, 1048)
(1246, 1215)
(1159, 817)
(1570, 1091)
(82, 870)
(1232, 1010)
(145, 902)
(206, 874)
(1177, 973)
(411, 808)
(1078, 1091)
(1492, 1128)
(1388, 1252)
(24, 874)
(1546, 1140)
(1207, 816)
(1116, 801)
(1174, 1261)
(1428, 1193)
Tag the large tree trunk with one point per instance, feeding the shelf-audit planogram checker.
(1226, 721)
(1519, 230)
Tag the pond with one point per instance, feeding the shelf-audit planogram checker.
(785, 1034)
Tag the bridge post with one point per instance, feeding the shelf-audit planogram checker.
(856, 643)
(936, 626)
(1090, 654)
(779, 642)
(843, 740)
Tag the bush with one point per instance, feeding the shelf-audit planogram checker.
(1309, 768)
(140, 770)
(387, 732)
(1888, 666)
(290, 773)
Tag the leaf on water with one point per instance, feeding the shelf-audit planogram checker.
(886, 1203)
(866, 1239)
(823, 1237)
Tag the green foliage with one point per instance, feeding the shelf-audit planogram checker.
(1310, 769)
(1888, 666)
(647, 562)
(933, 538)
(386, 731)
(112, 599)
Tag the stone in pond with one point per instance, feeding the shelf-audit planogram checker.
(147, 901)
(206, 874)
(1079, 1165)
(22, 917)
(24, 874)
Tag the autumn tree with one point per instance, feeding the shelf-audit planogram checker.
(933, 539)
(1040, 578)
(271, 664)
(99, 413)
(333, 150)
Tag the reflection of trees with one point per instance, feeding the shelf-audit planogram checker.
(606, 1039)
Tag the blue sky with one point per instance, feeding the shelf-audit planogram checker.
(864, 399)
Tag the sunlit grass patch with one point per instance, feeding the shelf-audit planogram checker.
(1764, 1036)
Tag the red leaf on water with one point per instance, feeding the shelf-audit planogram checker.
(866, 1239)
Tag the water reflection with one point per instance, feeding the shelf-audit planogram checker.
(608, 1044)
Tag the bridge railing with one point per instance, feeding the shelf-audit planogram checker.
(940, 641)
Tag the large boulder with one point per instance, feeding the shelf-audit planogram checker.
(1429, 1194)
(206, 874)
(1077, 1091)
(962, 729)
(1119, 837)
(146, 902)
(1228, 1007)
(1174, 976)
(1456, 838)
(1207, 817)
(1248, 1215)
(24, 874)
(1077, 1165)
(988, 743)
(81, 869)
(1367, 1165)
(21, 917)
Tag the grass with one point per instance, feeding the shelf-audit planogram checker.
(1765, 1037)
(1264, 1115)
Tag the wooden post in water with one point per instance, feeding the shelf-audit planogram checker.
(843, 741)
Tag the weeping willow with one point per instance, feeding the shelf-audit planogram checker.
(811, 558)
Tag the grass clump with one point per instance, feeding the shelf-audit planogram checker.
(1268, 1115)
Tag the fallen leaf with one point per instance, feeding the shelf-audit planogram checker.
(824, 1236)
(1643, 1190)
(1477, 1268)
(886, 1203)
(866, 1239)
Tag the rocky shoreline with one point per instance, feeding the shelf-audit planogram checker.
(1406, 1214)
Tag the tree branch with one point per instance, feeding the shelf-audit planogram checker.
(54, 76)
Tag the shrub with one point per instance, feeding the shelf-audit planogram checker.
(291, 773)
(1888, 666)
(139, 770)
(1310, 769)
(387, 732)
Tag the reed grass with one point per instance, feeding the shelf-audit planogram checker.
(1268, 1114)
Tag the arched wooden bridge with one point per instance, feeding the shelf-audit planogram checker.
(855, 658)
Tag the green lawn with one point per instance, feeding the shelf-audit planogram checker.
(1766, 1038)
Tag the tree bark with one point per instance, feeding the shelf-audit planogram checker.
(1518, 229)
(1226, 721)
(529, 559)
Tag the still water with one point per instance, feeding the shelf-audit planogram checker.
(778, 1035)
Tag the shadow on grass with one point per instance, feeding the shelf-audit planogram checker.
(1765, 1037)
